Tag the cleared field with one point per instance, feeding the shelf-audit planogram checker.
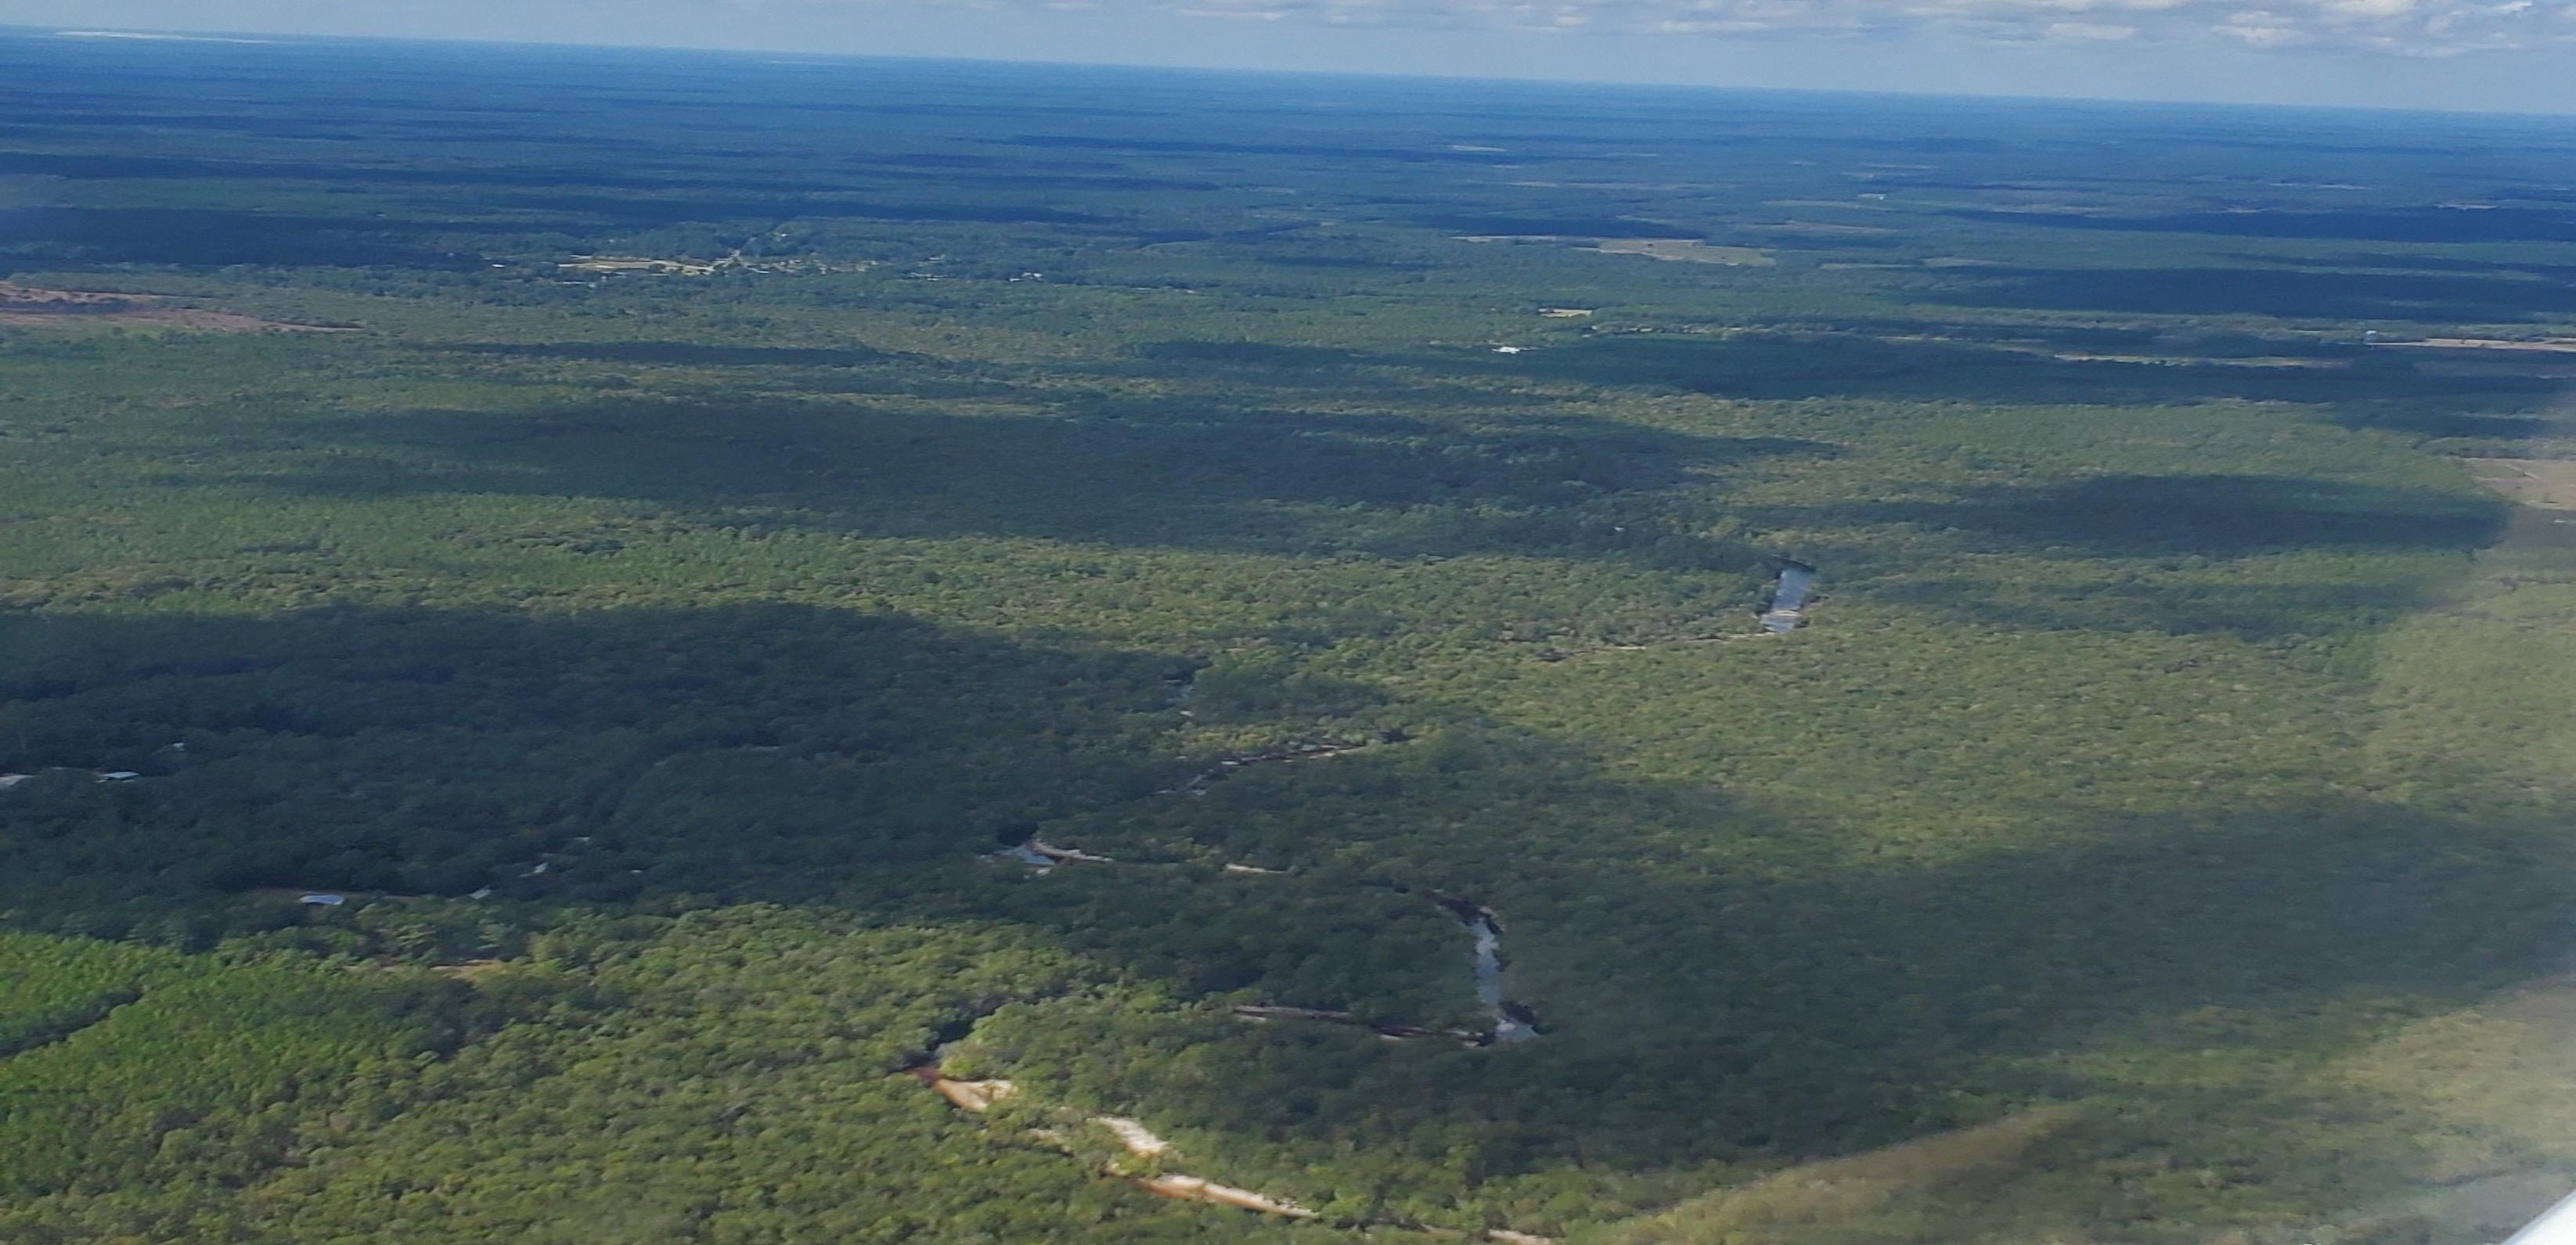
(1687, 251)
(2549, 345)
(25, 305)
(1676, 250)
(2544, 482)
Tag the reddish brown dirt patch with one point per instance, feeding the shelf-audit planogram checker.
(20, 304)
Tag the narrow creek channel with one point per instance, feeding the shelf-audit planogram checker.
(1512, 1021)
(1789, 598)
(1509, 1026)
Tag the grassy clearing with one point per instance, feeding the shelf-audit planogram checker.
(2543, 482)
(1921, 1190)
(1687, 251)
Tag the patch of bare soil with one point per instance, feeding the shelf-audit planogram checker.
(678, 267)
(2549, 483)
(470, 970)
(2546, 345)
(20, 304)
(1686, 251)
(1675, 250)
(1136, 1139)
(1822, 228)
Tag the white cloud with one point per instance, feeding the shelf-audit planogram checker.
(2259, 30)
(2411, 28)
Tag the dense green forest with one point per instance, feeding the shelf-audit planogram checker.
(694, 552)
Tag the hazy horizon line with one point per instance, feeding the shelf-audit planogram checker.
(285, 38)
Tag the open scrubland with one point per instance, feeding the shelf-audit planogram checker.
(798, 582)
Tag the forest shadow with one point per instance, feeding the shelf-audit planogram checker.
(1978, 973)
(499, 220)
(1256, 356)
(2214, 515)
(729, 374)
(213, 236)
(1211, 147)
(2156, 540)
(1789, 368)
(2288, 293)
(578, 164)
(1782, 990)
(2437, 423)
(2173, 605)
(750, 752)
(657, 211)
(1165, 474)
(683, 354)
(1720, 977)
(2407, 262)
(1328, 373)
(2412, 224)
(104, 166)
(1196, 380)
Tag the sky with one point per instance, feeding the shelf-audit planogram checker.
(2487, 55)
